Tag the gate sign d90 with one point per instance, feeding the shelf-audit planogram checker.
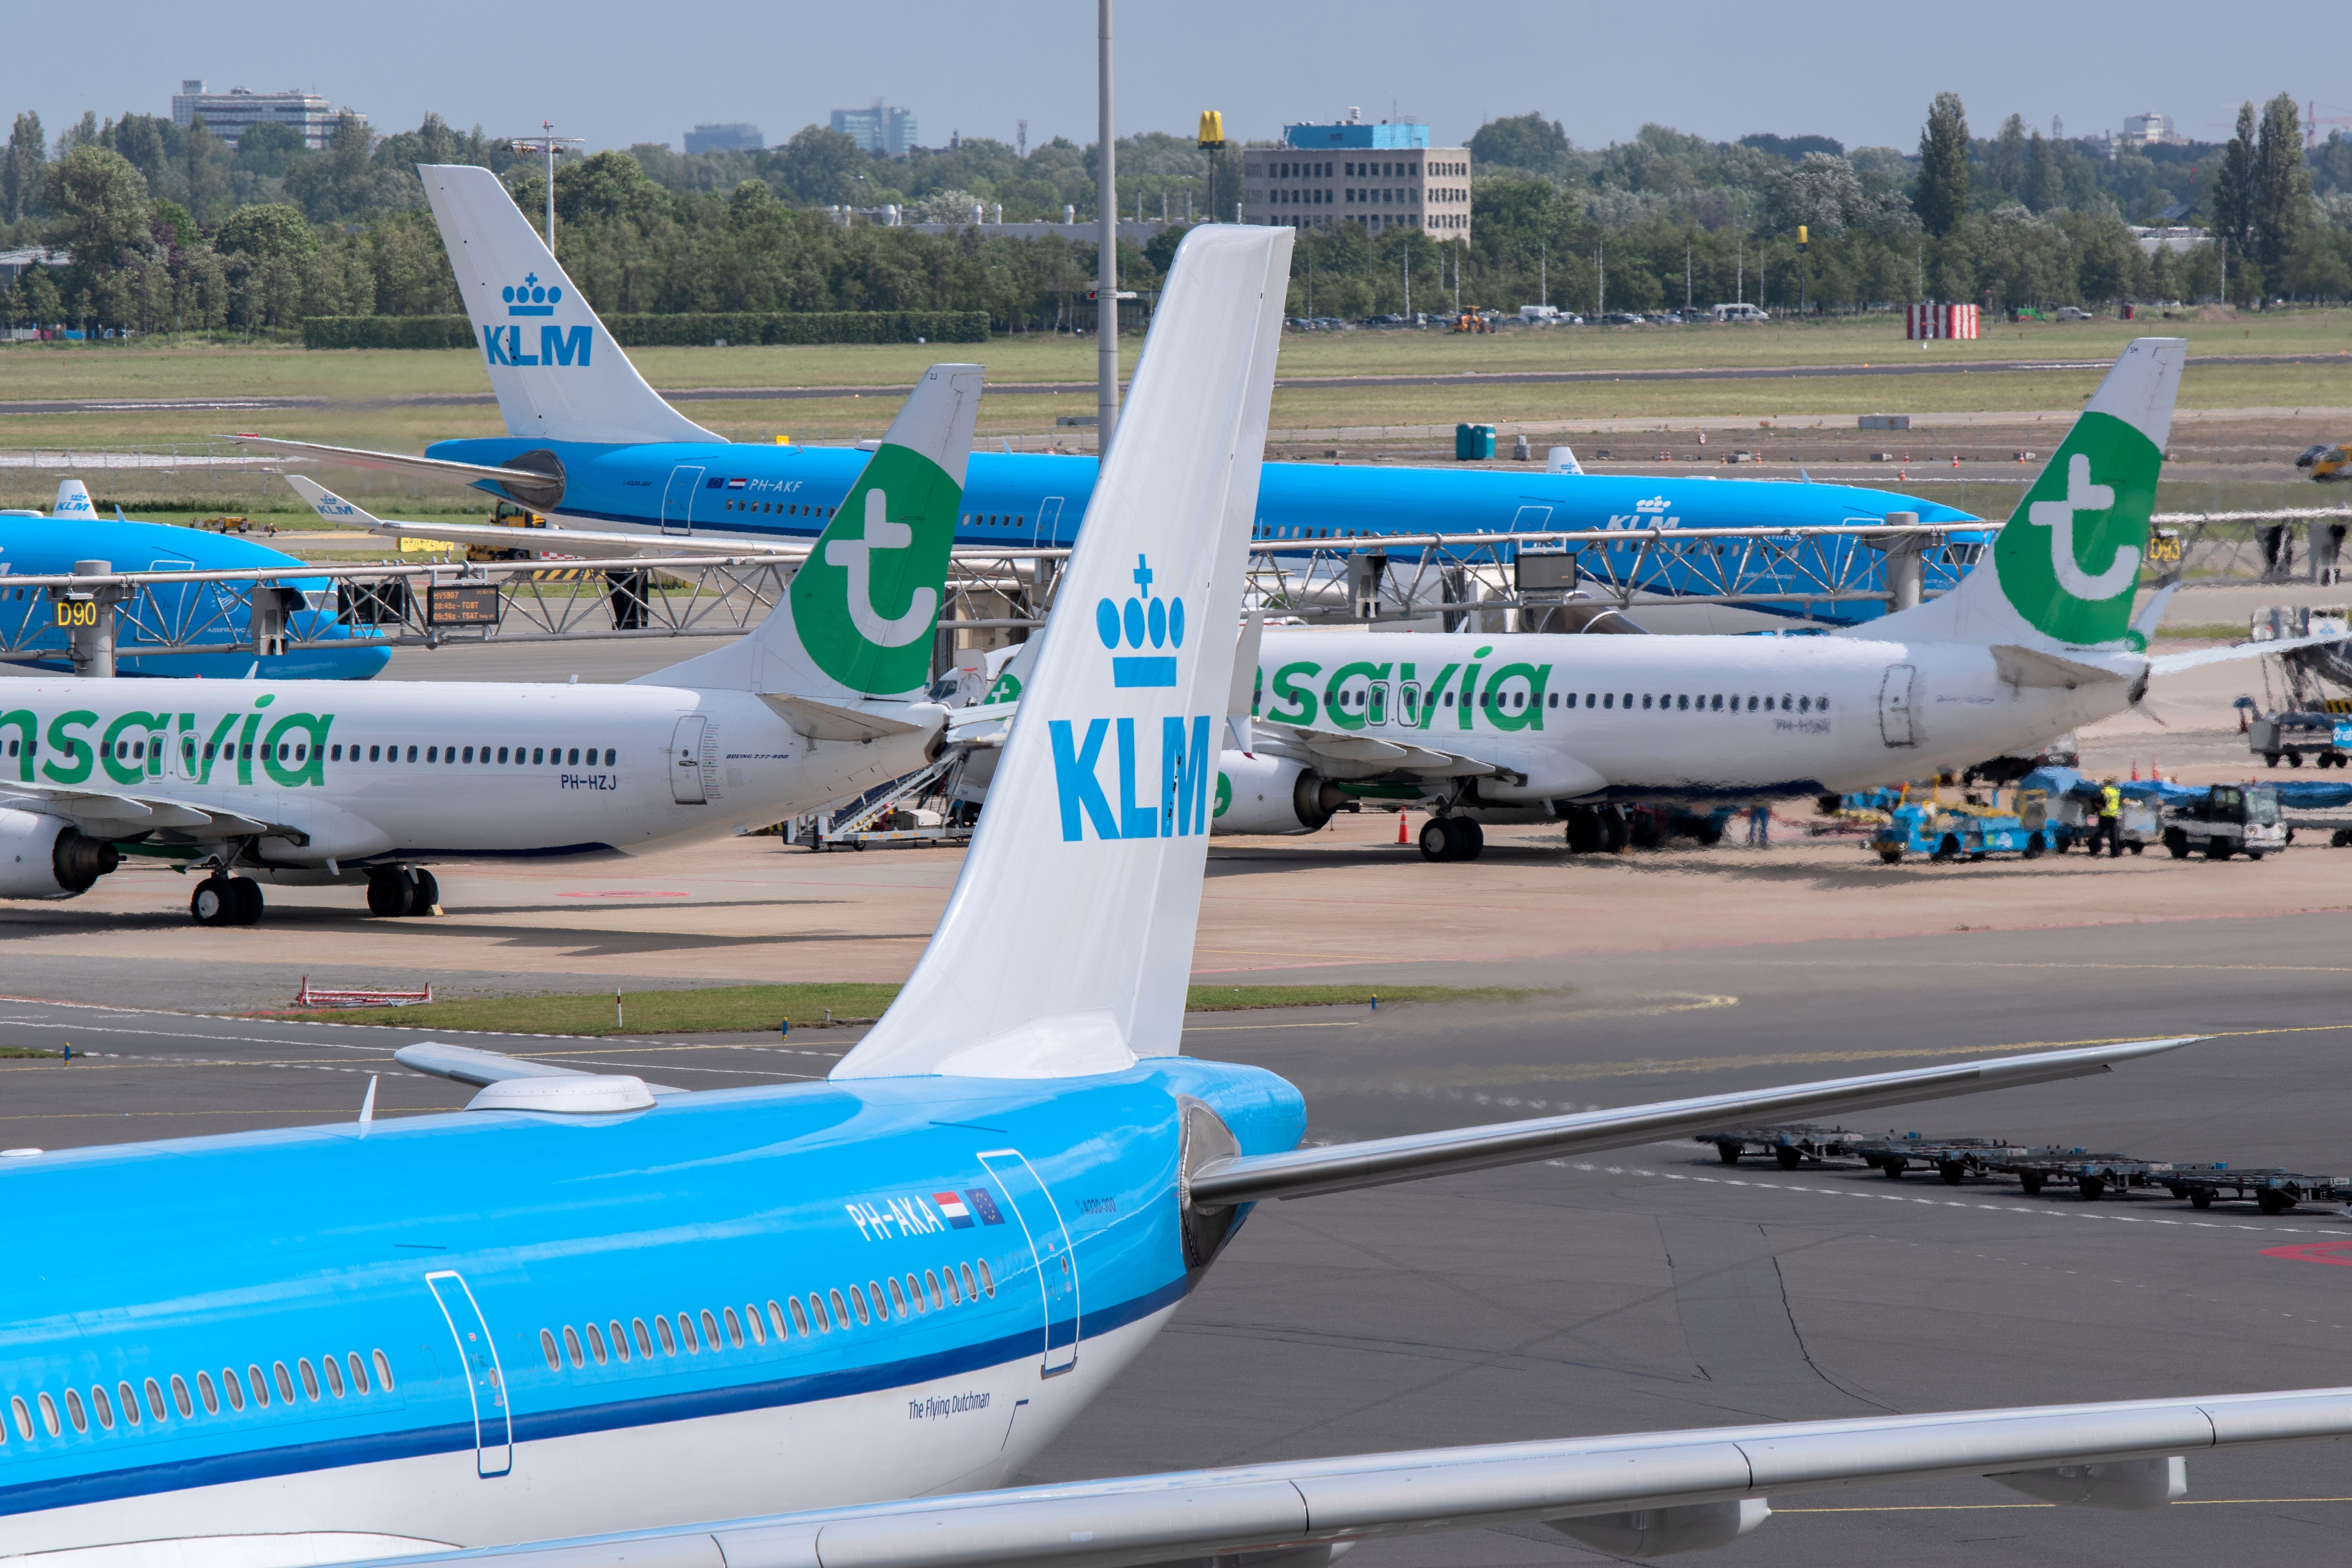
(77, 613)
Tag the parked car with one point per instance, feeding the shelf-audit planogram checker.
(1740, 313)
(2071, 313)
(1623, 318)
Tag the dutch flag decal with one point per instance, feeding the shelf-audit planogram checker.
(953, 1207)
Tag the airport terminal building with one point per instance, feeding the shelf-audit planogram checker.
(1384, 176)
(227, 114)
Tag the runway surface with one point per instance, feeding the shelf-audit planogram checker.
(1281, 384)
(1653, 1289)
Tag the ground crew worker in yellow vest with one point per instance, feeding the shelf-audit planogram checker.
(2111, 810)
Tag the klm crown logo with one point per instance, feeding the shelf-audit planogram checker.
(1146, 618)
(532, 298)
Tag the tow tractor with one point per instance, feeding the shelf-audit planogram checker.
(2226, 820)
(1945, 832)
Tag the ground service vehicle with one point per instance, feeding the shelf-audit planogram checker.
(2229, 819)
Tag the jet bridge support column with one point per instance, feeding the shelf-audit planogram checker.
(88, 617)
(1904, 556)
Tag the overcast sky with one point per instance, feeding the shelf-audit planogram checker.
(618, 72)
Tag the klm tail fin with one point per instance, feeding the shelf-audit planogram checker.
(558, 374)
(1067, 944)
(857, 622)
(73, 501)
(2063, 570)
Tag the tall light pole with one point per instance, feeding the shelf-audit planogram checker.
(547, 142)
(1107, 247)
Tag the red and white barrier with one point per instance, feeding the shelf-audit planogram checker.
(1940, 321)
(314, 996)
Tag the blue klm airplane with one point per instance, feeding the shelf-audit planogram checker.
(589, 1322)
(204, 614)
(595, 448)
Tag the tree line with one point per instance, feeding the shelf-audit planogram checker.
(172, 229)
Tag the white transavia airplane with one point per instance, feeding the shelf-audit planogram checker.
(585, 1324)
(314, 782)
(2034, 642)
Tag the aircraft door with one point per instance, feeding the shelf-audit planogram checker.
(1049, 520)
(1531, 520)
(1049, 1245)
(678, 500)
(686, 760)
(484, 1382)
(1897, 695)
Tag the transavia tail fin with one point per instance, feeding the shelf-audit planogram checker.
(558, 374)
(2063, 572)
(1067, 944)
(858, 622)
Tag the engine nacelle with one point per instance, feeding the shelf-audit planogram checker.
(1271, 795)
(49, 858)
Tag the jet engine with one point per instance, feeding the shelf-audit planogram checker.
(1272, 795)
(49, 858)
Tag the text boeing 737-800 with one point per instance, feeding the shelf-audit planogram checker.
(334, 782)
(590, 1324)
(594, 447)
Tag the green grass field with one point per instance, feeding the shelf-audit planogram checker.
(747, 1009)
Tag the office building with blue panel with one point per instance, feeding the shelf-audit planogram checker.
(1383, 174)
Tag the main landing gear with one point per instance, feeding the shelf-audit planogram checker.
(396, 890)
(224, 900)
(1451, 838)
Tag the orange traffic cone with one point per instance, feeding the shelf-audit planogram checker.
(1400, 837)
(2135, 778)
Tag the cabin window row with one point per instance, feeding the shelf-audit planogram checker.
(1373, 699)
(783, 509)
(155, 1403)
(996, 520)
(820, 1312)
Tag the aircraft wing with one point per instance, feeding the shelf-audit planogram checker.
(108, 813)
(1335, 1168)
(567, 540)
(1641, 1494)
(1344, 755)
(510, 1083)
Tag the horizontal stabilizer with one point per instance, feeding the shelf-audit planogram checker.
(492, 1070)
(2171, 663)
(464, 1064)
(1336, 1168)
(2025, 667)
(831, 721)
(394, 462)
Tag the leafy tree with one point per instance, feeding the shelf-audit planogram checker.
(1819, 192)
(2281, 188)
(1794, 148)
(607, 185)
(2005, 158)
(2233, 189)
(99, 204)
(274, 230)
(23, 168)
(1943, 193)
(270, 150)
(752, 205)
(1520, 142)
(820, 166)
(2039, 189)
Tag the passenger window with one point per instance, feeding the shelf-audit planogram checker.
(235, 1389)
(881, 1302)
(1805, 704)
(620, 1339)
(334, 1371)
(610, 753)
(800, 1319)
(857, 1304)
(49, 1413)
(932, 1283)
(1645, 702)
(433, 754)
(285, 1381)
(503, 754)
(155, 1400)
(258, 1384)
(359, 1373)
(954, 1295)
(1751, 705)
(179, 1397)
(128, 1397)
(538, 755)
(1821, 704)
(1787, 702)
(1409, 698)
(375, 754)
(469, 753)
(73, 1409)
(1447, 701)
(1683, 703)
(576, 757)
(596, 1344)
(752, 1314)
(309, 1380)
(970, 1294)
(547, 1349)
(734, 1329)
(645, 1345)
(1715, 704)
(668, 1340)
(710, 1330)
(687, 1336)
(776, 1320)
(383, 1373)
(24, 1419)
(412, 754)
(816, 1311)
(840, 1309)
(987, 1280)
(898, 1298)
(571, 1345)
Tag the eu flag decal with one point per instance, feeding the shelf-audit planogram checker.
(984, 1205)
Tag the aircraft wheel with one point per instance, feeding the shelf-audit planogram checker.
(388, 888)
(1437, 839)
(245, 901)
(214, 903)
(1472, 840)
(424, 892)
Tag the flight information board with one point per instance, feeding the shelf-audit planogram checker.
(463, 604)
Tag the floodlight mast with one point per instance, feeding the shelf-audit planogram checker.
(1106, 244)
(547, 142)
